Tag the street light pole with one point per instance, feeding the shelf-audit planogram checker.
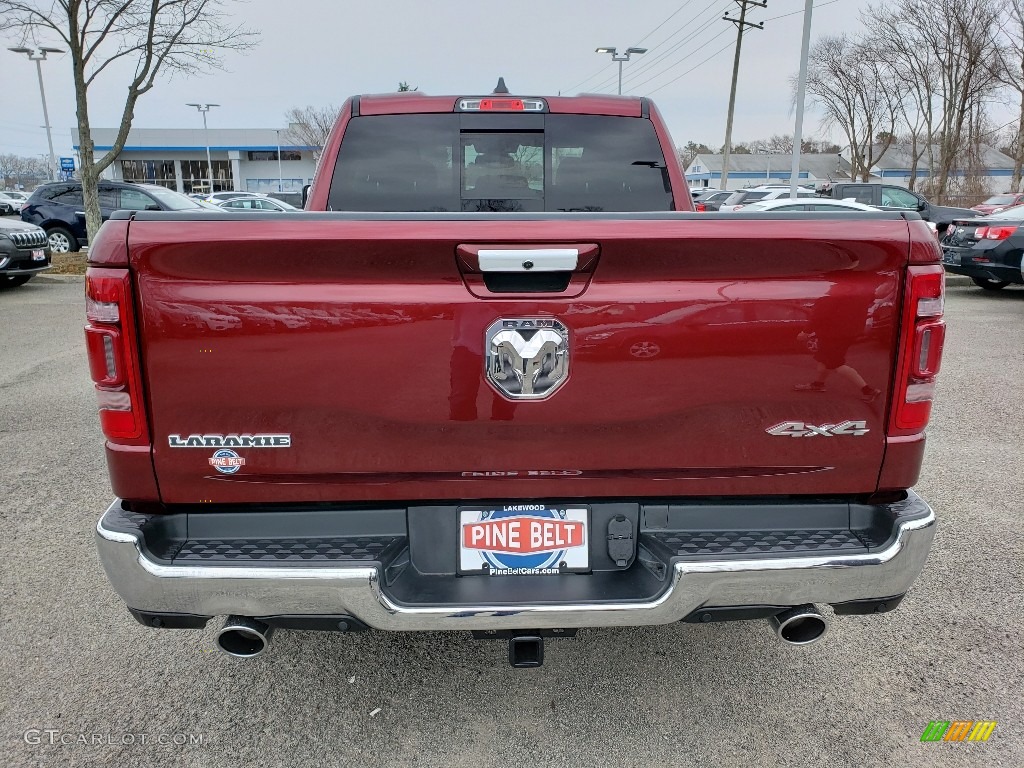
(203, 109)
(624, 57)
(280, 180)
(768, 173)
(38, 55)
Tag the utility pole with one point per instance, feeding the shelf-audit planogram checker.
(741, 27)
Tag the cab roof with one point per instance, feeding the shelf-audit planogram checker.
(413, 102)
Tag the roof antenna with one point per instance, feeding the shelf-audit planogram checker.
(501, 87)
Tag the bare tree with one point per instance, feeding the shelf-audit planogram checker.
(1009, 72)
(154, 37)
(15, 168)
(310, 126)
(856, 94)
(916, 69)
(944, 52)
(690, 150)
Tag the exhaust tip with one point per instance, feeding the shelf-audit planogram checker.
(243, 637)
(801, 625)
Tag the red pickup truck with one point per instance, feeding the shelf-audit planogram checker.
(499, 377)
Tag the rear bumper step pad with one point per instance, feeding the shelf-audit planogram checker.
(357, 563)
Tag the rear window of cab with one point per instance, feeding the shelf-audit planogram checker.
(471, 163)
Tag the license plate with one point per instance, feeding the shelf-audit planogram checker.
(524, 539)
(38, 255)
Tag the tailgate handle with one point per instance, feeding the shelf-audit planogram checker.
(513, 270)
(528, 259)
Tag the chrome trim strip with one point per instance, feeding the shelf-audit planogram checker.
(264, 591)
(538, 259)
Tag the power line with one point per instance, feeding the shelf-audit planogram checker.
(720, 50)
(650, 63)
(693, 68)
(692, 53)
(665, 21)
(680, 61)
(587, 80)
(794, 13)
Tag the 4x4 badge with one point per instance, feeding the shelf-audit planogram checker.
(800, 429)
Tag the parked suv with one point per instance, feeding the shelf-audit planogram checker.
(23, 252)
(60, 210)
(892, 198)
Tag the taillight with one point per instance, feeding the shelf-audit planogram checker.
(701, 208)
(980, 232)
(999, 233)
(113, 360)
(922, 336)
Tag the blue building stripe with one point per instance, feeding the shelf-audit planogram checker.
(202, 148)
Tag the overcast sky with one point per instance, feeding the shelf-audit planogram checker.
(321, 51)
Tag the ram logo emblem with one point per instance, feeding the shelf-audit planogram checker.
(527, 358)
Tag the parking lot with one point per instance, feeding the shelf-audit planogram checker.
(75, 667)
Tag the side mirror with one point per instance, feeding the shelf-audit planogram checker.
(922, 205)
(305, 194)
(153, 207)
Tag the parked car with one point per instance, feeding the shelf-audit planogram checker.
(698, 193)
(701, 328)
(819, 204)
(986, 249)
(892, 198)
(255, 204)
(998, 203)
(24, 252)
(713, 201)
(742, 197)
(60, 210)
(746, 196)
(771, 187)
(10, 202)
(219, 197)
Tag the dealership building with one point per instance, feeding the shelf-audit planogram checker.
(244, 159)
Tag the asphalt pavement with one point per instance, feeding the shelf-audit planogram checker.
(81, 683)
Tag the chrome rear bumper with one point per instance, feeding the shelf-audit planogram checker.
(357, 590)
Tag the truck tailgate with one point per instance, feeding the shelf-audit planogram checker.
(360, 338)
